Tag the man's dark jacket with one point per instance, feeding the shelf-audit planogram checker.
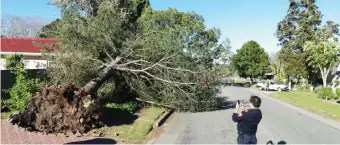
(247, 121)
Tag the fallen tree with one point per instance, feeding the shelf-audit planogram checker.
(160, 58)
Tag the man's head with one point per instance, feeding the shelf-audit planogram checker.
(254, 102)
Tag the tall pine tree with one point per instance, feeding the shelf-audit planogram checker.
(303, 19)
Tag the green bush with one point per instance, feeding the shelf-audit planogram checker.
(317, 89)
(304, 87)
(4, 105)
(325, 93)
(128, 106)
(24, 86)
(337, 92)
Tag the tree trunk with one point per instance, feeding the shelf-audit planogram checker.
(324, 81)
(324, 74)
(93, 86)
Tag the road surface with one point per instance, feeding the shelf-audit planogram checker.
(279, 124)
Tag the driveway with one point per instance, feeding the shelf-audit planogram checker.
(280, 123)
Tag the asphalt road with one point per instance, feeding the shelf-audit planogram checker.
(279, 123)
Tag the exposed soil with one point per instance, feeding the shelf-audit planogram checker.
(59, 109)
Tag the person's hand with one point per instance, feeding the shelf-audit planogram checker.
(237, 107)
(241, 105)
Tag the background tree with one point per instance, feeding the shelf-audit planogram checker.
(299, 25)
(251, 60)
(293, 63)
(50, 30)
(22, 27)
(323, 53)
(276, 66)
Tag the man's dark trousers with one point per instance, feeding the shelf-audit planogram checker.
(246, 139)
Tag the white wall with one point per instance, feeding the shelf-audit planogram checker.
(29, 64)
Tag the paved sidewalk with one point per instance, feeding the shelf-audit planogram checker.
(13, 135)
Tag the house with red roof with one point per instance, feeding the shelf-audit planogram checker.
(31, 48)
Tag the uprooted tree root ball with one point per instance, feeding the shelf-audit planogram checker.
(59, 109)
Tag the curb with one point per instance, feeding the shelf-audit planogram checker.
(159, 122)
(329, 122)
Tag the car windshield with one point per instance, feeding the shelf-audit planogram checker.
(279, 83)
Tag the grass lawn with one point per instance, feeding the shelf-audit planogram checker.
(136, 132)
(309, 101)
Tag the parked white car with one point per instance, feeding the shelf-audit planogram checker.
(273, 85)
(277, 86)
(261, 85)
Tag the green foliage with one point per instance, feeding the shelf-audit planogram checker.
(24, 86)
(50, 30)
(4, 105)
(5, 115)
(304, 87)
(276, 65)
(165, 56)
(293, 63)
(325, 93)
(337, 92)
(322, 53)
(317, 89)
(127, 106)
(299, 24)
(251, 60)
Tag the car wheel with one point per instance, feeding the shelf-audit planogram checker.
(279, 89)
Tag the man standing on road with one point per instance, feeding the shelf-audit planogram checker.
(248, 120)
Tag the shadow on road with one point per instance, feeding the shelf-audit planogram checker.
(280, 142)
(224, 103)
(243, 85)
(95, 141)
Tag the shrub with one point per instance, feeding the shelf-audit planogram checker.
(325, 93)
(317, 90)
(337, 92)
(4, 105)
(128, 106)
(23, 88)
(304, 87)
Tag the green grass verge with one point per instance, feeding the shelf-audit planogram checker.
(136, 132)
(310, 102)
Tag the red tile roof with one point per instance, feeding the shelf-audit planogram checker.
(24, 44)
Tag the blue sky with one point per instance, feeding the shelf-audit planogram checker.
(239, 20)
